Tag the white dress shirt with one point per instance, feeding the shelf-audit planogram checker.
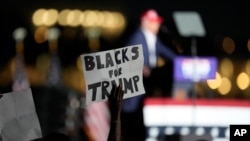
(151, 42)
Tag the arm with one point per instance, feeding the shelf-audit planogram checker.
(115, 100)
(165, 51)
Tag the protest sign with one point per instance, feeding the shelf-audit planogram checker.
(122, 66)
(18, 118)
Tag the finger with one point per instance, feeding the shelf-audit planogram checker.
(121, 93)
(116, 93)
(111, 95)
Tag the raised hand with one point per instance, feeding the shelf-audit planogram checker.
(115, 101)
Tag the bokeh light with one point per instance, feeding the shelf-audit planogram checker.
(242, 80)
(110, 23)
(228, 45)
(50, 17)
(19, 34)
(226, 67)
(62, 17)
(36, 18)
(247, 67)
(41, 34)
(214, 83)
(225, 86)
(45, 17)
(73, 18)
(90, 18)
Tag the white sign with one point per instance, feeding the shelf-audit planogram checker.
(18, 118)
(104, 69)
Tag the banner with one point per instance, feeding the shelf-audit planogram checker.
(195, 69)
(104, 69)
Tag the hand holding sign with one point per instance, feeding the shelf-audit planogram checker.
(115, 101)
(122, 66)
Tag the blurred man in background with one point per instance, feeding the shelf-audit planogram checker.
(153, 49)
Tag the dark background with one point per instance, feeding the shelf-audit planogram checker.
(220, 18)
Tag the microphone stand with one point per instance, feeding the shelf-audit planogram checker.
(195, 76)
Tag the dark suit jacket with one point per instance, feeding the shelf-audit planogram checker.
(161, 50)
(132, 114)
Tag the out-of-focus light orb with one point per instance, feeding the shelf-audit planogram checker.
(37, 17)
(110, 23)
(248, 66)
(90, 18)
(228, 45)
(19, 34)
(225, 86)
(114, 23)
(113, 20)
(214, 83)
(109, 20)
(101, 18)
(45, 17)
(73, 18)
(62, 17)
(154, 132)
(200, 131)
(185, 131)
(41, 34)
(50, 17)
(242, 80)
(214, 132)
(53, 33)
(120, 20)
(226, 67)
(169, 131)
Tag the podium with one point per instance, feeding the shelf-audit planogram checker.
(189, 24)
(181, 120)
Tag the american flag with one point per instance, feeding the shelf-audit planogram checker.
(97, 120)
(20, 79)
(54, 72)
